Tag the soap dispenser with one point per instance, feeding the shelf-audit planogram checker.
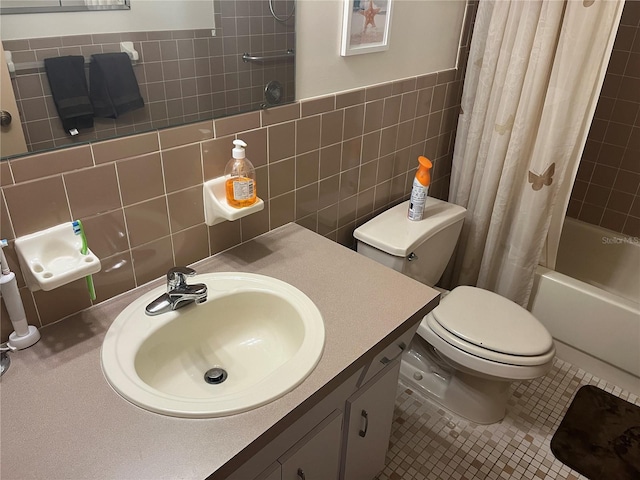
(240, 185)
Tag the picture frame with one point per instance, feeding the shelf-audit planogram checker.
(365, 26)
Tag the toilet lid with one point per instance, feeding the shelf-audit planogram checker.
(492, 322)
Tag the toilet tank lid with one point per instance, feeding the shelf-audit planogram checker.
(393, 233)
(491, 321)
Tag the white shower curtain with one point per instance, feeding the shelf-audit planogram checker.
(533, 78)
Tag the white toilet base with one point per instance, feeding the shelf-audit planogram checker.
(477, 399)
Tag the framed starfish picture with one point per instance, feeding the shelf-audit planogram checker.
(365, 26)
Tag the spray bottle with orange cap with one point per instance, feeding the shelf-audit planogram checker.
(420, 189)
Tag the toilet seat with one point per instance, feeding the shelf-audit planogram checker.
(484, 353)
(479, 365)
(480, 332)
(488, 325)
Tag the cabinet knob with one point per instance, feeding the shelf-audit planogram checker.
(365, 418)
(5, 118)
(301, 475)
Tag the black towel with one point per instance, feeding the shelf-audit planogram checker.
(114, 88)
(69, 90)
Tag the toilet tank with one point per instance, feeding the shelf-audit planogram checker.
(420, 250)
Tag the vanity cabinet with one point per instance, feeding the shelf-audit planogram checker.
(364, 323)
(334, 445)
(349, 446)
(368, 420)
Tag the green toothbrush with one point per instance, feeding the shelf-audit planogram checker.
(79, 230)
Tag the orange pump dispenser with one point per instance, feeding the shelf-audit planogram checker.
(240, 186)
(420, 189)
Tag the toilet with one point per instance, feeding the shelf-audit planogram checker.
(475, 343)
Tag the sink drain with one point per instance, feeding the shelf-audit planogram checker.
(215, 375)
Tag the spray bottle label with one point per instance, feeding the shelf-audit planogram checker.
(418, 200)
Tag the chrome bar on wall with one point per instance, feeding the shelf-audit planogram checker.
(247, 57)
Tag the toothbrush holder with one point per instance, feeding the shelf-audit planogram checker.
(51, 258)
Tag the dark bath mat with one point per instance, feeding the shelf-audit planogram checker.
(599, 436)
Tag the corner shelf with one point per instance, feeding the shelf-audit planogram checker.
(216, 208)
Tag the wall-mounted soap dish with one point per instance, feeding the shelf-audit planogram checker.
(216, 208)
(51, 258)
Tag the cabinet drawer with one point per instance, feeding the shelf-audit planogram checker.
(317, 455)
(393, 351)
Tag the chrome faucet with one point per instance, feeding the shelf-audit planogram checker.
(179, 293)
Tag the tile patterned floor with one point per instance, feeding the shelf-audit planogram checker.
(429, 443)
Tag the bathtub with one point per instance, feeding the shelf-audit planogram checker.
(591, 302)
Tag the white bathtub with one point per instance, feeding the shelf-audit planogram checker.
(592, 301)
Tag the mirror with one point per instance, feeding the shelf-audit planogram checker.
(191, 62)
(51, 6)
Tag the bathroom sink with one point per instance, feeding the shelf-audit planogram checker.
(254, 339)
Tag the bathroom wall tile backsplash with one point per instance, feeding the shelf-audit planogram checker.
(184, 75)
(325, 166)
(606, 191)
(139, 197)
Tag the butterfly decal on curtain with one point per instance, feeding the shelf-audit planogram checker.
(538, 181)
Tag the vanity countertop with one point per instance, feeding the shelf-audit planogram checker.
(60, 419)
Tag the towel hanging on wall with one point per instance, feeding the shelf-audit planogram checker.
(114, 88)
(68, 83)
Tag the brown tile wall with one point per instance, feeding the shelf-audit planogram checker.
(607, 187)
(329, 164)
(184, 76)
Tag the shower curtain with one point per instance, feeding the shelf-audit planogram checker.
(533, 78)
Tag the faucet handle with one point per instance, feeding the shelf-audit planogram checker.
(177, 276)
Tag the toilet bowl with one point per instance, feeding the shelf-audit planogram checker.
(487, 342)
(472, 346)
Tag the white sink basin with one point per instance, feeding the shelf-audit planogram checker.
(264, 333)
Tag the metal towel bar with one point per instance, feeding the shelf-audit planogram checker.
(126, 47)
(247, 57)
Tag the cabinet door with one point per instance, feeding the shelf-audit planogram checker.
(317, 455)
(368, 425)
